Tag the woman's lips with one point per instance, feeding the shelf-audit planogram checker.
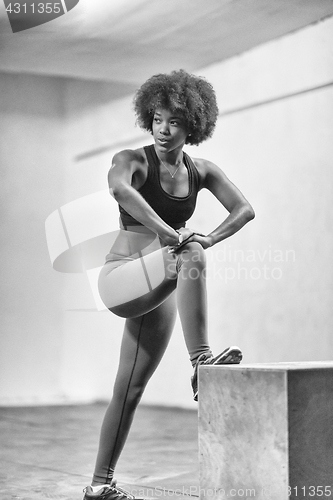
(162, 141)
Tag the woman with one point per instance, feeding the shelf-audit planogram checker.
(155, 255)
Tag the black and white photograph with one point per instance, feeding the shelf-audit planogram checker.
(166, 249)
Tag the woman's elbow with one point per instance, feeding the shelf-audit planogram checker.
(249, 213)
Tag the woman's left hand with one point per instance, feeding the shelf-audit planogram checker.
(197, 237)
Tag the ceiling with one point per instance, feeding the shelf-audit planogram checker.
(126, 41)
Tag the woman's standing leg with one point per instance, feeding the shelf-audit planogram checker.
(144, 342)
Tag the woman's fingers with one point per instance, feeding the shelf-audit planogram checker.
(175, 248)
(198, 237)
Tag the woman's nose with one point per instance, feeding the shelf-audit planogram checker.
(164, 128)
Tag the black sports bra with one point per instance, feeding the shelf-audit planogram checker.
(174, 210)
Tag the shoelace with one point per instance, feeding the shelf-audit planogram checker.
(125, 495)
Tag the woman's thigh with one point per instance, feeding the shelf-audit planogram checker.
(138, 286)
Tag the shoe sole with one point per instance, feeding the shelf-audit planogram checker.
(231, 356)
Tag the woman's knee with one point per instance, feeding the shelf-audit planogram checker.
(194, 247)
(132, 394)
(194, 255)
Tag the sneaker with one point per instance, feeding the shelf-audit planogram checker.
(230, 356)
(111, 492)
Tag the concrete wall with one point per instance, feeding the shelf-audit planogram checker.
(270, 286)
(32, 183)
(274, 141)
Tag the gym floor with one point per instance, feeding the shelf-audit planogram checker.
(49, 452)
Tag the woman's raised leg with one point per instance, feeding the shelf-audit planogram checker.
(192, 299)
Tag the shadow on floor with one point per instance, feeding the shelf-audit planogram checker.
(49, 452)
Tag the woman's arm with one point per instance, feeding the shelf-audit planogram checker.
(240, 210)
(126, 169)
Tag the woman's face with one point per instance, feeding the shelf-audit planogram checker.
(169, 130)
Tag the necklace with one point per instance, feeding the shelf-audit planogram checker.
(174, 174)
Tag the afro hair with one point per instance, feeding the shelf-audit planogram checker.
(191, 96)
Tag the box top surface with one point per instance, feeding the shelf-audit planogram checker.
(287, 365)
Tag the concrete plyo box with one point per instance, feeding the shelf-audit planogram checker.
(266, 431)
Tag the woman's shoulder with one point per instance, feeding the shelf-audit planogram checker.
(207, 170)
(132, 164)
(130, 155)
(204, 166)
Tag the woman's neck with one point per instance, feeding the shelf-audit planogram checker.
(174, 157)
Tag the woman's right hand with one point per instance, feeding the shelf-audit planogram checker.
(186, 235)
(173, 239)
